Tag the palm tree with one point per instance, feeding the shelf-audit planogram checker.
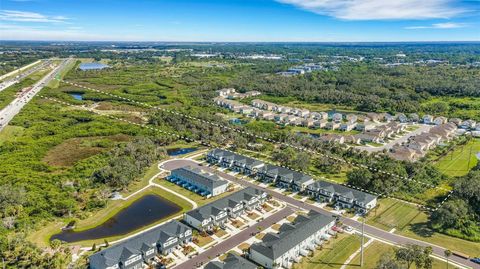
(447, 253)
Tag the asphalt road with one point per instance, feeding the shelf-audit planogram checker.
(231, 242)
(7, 114)
(7, 83)
(370, 230)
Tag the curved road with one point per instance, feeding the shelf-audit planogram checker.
(370, 230)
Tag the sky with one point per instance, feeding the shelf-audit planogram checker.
(241, 20)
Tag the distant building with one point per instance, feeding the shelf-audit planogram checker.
(233, 161)
(284, 177)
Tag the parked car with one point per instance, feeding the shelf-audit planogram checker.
(348, 228)
(476, 260)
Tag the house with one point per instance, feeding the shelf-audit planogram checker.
(284, 177)
(352, 139)
(309, 122)
(280, 117)
(324, 115)
(387, 117)
(141, 249)
(232, 261)
(225, 92)
(337, 117)
(284, 109)
(347, 126)
(216, 213)
(236, 162)
(374, 116)
(456, 121)
(303, 113)
(342, 196)
(332, 138)
(263, 104)
(320, 123)
(445, 131)
(246, 110)
(440, 120)
(403, 153)
(199, 181)
(414, 117)
(402, 118)
(427, 119)
(370, 137)
(332, 125)
(365, 126)
(351, 118)
(293, 241)
(316, 115)
(468, 124)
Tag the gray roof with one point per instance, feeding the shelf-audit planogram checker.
(231, 262)
(202, 177)
(135, 245)
(294, 176)
(237, 158)
(344, 191)
(290, 235)
(216, 206)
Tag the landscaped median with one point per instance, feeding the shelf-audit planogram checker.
(42, 237)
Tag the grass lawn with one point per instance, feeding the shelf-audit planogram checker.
(244, 246)
(392, 214)
(459, 161)
(203, 240)
(253, 216)
(237, 223)
(42, 236)
(412, 222)
(276, 227)
(333, 254)
(10, 133)
(267, 208)
(291, 218)
(260, 236)
(374, 252)
(220, 233)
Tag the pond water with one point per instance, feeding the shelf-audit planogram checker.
(180, 151)
(144, 211)
(77, 96)
(92, 66)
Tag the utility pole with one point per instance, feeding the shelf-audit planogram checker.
(361, 253)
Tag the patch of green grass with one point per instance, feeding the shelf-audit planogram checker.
(461, 160)
(10, 133)
(393, 214)
(333, 255)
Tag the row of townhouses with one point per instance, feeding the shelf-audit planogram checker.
(199, 181)
(294, 240)
(343, 197)
(231, 93)
(217, 212)
(139, 250)
(417, 146)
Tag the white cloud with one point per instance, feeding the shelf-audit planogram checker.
(26, 16)
(379, 9)
(444, 25)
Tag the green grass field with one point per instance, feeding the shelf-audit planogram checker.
(9, 133)
(409, 221)
(333, 255)
(461, 160)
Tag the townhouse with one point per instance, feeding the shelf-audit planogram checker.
(264, 105)
(236, 162)
(199, 181)
(293, 241)
(347, 126)
(217, 212)
(440, 120)
(141, 249)
(284, 177)
(342, 196)
(232, 261)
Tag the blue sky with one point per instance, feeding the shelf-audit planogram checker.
(241, 20)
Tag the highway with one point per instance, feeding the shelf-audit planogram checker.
(7, 114)
(370, 230)
(7, 83)
(19, 70)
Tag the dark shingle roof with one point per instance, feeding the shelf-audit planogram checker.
(235, 157)
(344, 191)
(294, 176)
(231, 262)
(135, 245)
(274, 246)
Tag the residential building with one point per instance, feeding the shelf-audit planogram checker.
(232, 261)
(427, 119)
(468, 124)
(293, 240)
(347, 126)
(403, 153)
(320, 123)
(365, 126)
(332, 125)
(351, 118)
(342, 196)
(225, 92)
(236, 162)
(414, 117)
(332, 138)
(337, 117)
(402, 118)
(440, 120)
(216, 213)
(139, 250)
(352, 139)
(456, 121)
(199, 181)
(284, 177)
